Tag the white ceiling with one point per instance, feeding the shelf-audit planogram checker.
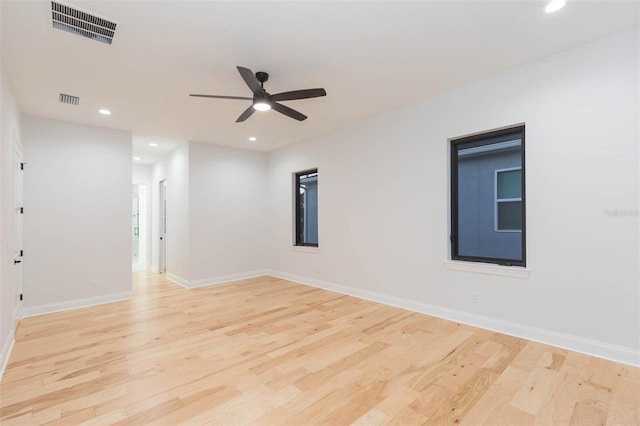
(369, 56)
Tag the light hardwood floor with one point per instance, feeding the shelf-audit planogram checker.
(269, 351)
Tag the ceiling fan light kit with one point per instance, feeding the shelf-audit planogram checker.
(263, 100)
(261, 106)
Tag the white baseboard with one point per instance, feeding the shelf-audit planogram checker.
(216, 280)
(594, 348)
(7, 347)
(75, 304)
(178, 280)
(227, 278)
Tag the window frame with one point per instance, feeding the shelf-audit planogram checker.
(502, 200)
(297, 211)
(454, 143)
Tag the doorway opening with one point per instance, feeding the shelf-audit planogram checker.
(139, 221)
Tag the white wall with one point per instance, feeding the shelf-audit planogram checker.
(174, 168)
(141, 174)
(77, 189)
(383, 203)
(227, 213)
(9, 128)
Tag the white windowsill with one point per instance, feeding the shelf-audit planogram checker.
(484, 268)
(305, 249)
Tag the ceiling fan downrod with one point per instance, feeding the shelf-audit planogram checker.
(262, 77)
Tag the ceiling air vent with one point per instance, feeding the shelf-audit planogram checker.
(69, 99)
(76, 21)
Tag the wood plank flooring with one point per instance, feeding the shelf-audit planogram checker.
(267, 351)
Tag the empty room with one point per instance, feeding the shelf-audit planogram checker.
(320, 212)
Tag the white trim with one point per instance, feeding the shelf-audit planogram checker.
(223, 279)
(17, 275)
(486, 268)
(178, 280)
(227, 278)
(305, 249)
(7, 347)
(76, 304)
(624, 355)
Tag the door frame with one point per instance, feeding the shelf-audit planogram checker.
(17, 234)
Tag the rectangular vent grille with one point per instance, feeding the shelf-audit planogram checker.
(69, 99)
(81, 23)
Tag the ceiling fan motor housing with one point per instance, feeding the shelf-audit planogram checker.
(262, 98)
(262, 76)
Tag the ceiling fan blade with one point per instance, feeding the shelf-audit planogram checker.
(251, 80)
(299, 94)
(244, 98)
(246, 114)
(288, 111)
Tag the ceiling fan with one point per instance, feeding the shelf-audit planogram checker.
(263, 100)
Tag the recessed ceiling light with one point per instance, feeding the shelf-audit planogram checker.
(137, 158)
(555, 5)
(153, 144)
(104, 111)
(261, 106)
(253, 139)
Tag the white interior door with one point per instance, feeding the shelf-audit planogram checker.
(18, 205)
(143, 230)
(163, 227)
(135, 227)
(139, 230)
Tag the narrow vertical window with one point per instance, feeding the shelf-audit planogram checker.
(488, 197)
(306, 208)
